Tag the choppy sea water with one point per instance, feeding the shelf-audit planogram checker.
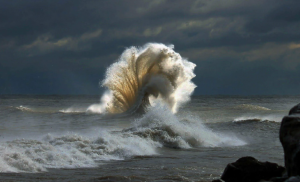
(54, 138)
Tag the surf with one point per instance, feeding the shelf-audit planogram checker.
(144, 76)
(158, 129)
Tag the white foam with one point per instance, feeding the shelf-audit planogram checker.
(104, 102)
(72, 110)
(191, 132)
(159, 127)
(261, 118)
(71, 151)
(24, 108)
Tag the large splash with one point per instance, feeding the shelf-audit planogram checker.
(144, 76)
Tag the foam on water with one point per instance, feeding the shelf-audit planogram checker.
(260, 118)
(101, 108)
(158, 128)
(50, 110)
(71, 151)
(160, 124)
(35, 109)
(24, 108)
(72, 110)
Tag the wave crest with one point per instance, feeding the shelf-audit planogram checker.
(251, 107)
(161, 125)
(144, 75)
(270, 118)
(24, 108)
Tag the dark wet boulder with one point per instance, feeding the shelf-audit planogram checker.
(293, 179)
(249, 169)
(217, 180)
(295, 110)
(290, 137)
(277, 179)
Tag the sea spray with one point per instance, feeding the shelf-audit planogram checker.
(161, 125)
(144, 75)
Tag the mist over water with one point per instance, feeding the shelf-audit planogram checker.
(146, 75)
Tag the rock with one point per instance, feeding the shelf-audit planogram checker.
(295, 110)
(293, 179)
(290, 137)
(278, 179)
(249, 169)
(217, 180)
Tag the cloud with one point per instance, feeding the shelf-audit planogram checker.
(284, 56)
(152, 32)
(149, 4)
(294, 46)
(81, 37)
(45, 43)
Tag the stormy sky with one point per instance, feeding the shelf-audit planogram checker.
(64, 46)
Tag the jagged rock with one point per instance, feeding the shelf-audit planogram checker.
(290, 138)
(249, 169)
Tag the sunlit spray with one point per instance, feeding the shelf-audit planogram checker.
(142, 76)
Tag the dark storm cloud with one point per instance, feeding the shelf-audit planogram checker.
(278, 18)
(64, 47)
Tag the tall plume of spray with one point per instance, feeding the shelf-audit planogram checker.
(144, 76)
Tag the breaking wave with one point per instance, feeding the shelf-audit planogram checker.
(144, 76)
(269, 118)
(158, 128)
(70, 151)
(24, 108)
(161, 125)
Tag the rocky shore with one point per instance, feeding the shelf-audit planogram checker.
(249, 169)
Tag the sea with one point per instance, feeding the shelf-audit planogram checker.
(57, 138)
